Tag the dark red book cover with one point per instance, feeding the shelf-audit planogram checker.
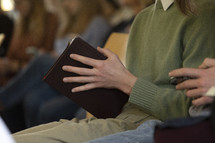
(100, 102)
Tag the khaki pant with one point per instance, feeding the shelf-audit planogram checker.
(78, 131)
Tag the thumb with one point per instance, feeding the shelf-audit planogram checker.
(207, 63)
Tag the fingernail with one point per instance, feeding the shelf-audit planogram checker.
(71, 55)
(73, 90)
(65, 80)
(65, 68)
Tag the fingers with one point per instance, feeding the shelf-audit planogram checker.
(207, 63)
(202, 101)
(85, 87)
(85, 60)
(189, 84)
(79, 79)
(194, 93)
(190, 72)
(78, 70)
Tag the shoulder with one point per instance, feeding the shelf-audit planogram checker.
(145, 11)
(204, 14)
(140, 20)
(143, 15)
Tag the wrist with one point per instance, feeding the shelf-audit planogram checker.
(128, 84)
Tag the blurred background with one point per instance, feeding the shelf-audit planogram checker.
(8, 7)
(36, 32)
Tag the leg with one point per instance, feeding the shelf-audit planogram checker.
(74, 131)
(58, 108)
(143, 134)
(28, 78)
(84, 130)
(34, 100)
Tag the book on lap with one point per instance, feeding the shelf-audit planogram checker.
(100, 102)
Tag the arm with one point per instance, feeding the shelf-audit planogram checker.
(154, 94)
(203, 79)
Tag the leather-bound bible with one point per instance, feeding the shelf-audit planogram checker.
(100, 102)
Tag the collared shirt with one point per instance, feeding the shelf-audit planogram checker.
(165, 3)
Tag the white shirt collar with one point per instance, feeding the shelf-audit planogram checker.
(165, 3)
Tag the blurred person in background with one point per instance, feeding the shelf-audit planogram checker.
(34, 31)
(115, 12)
(42, 103)
(135, 6)
(6, 28)
(82, 18)
(51, 105)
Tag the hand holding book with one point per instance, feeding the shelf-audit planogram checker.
(109, 73)
(98, 78)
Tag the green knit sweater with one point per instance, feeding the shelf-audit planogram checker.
(161, 41)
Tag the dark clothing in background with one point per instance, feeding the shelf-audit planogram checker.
(187, 130)
(200, 132)
(6, 27)
(123, 26)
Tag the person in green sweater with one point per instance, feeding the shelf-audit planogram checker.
(203, 78)
(162, 39)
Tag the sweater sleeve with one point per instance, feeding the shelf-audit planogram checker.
(163, 101)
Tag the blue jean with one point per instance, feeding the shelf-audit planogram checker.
(28, 80)
(46, 105)
(143, 134)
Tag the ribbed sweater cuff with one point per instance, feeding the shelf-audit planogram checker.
(143, 95)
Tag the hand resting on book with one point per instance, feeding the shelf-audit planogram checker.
(109, 73)
(95, 100)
